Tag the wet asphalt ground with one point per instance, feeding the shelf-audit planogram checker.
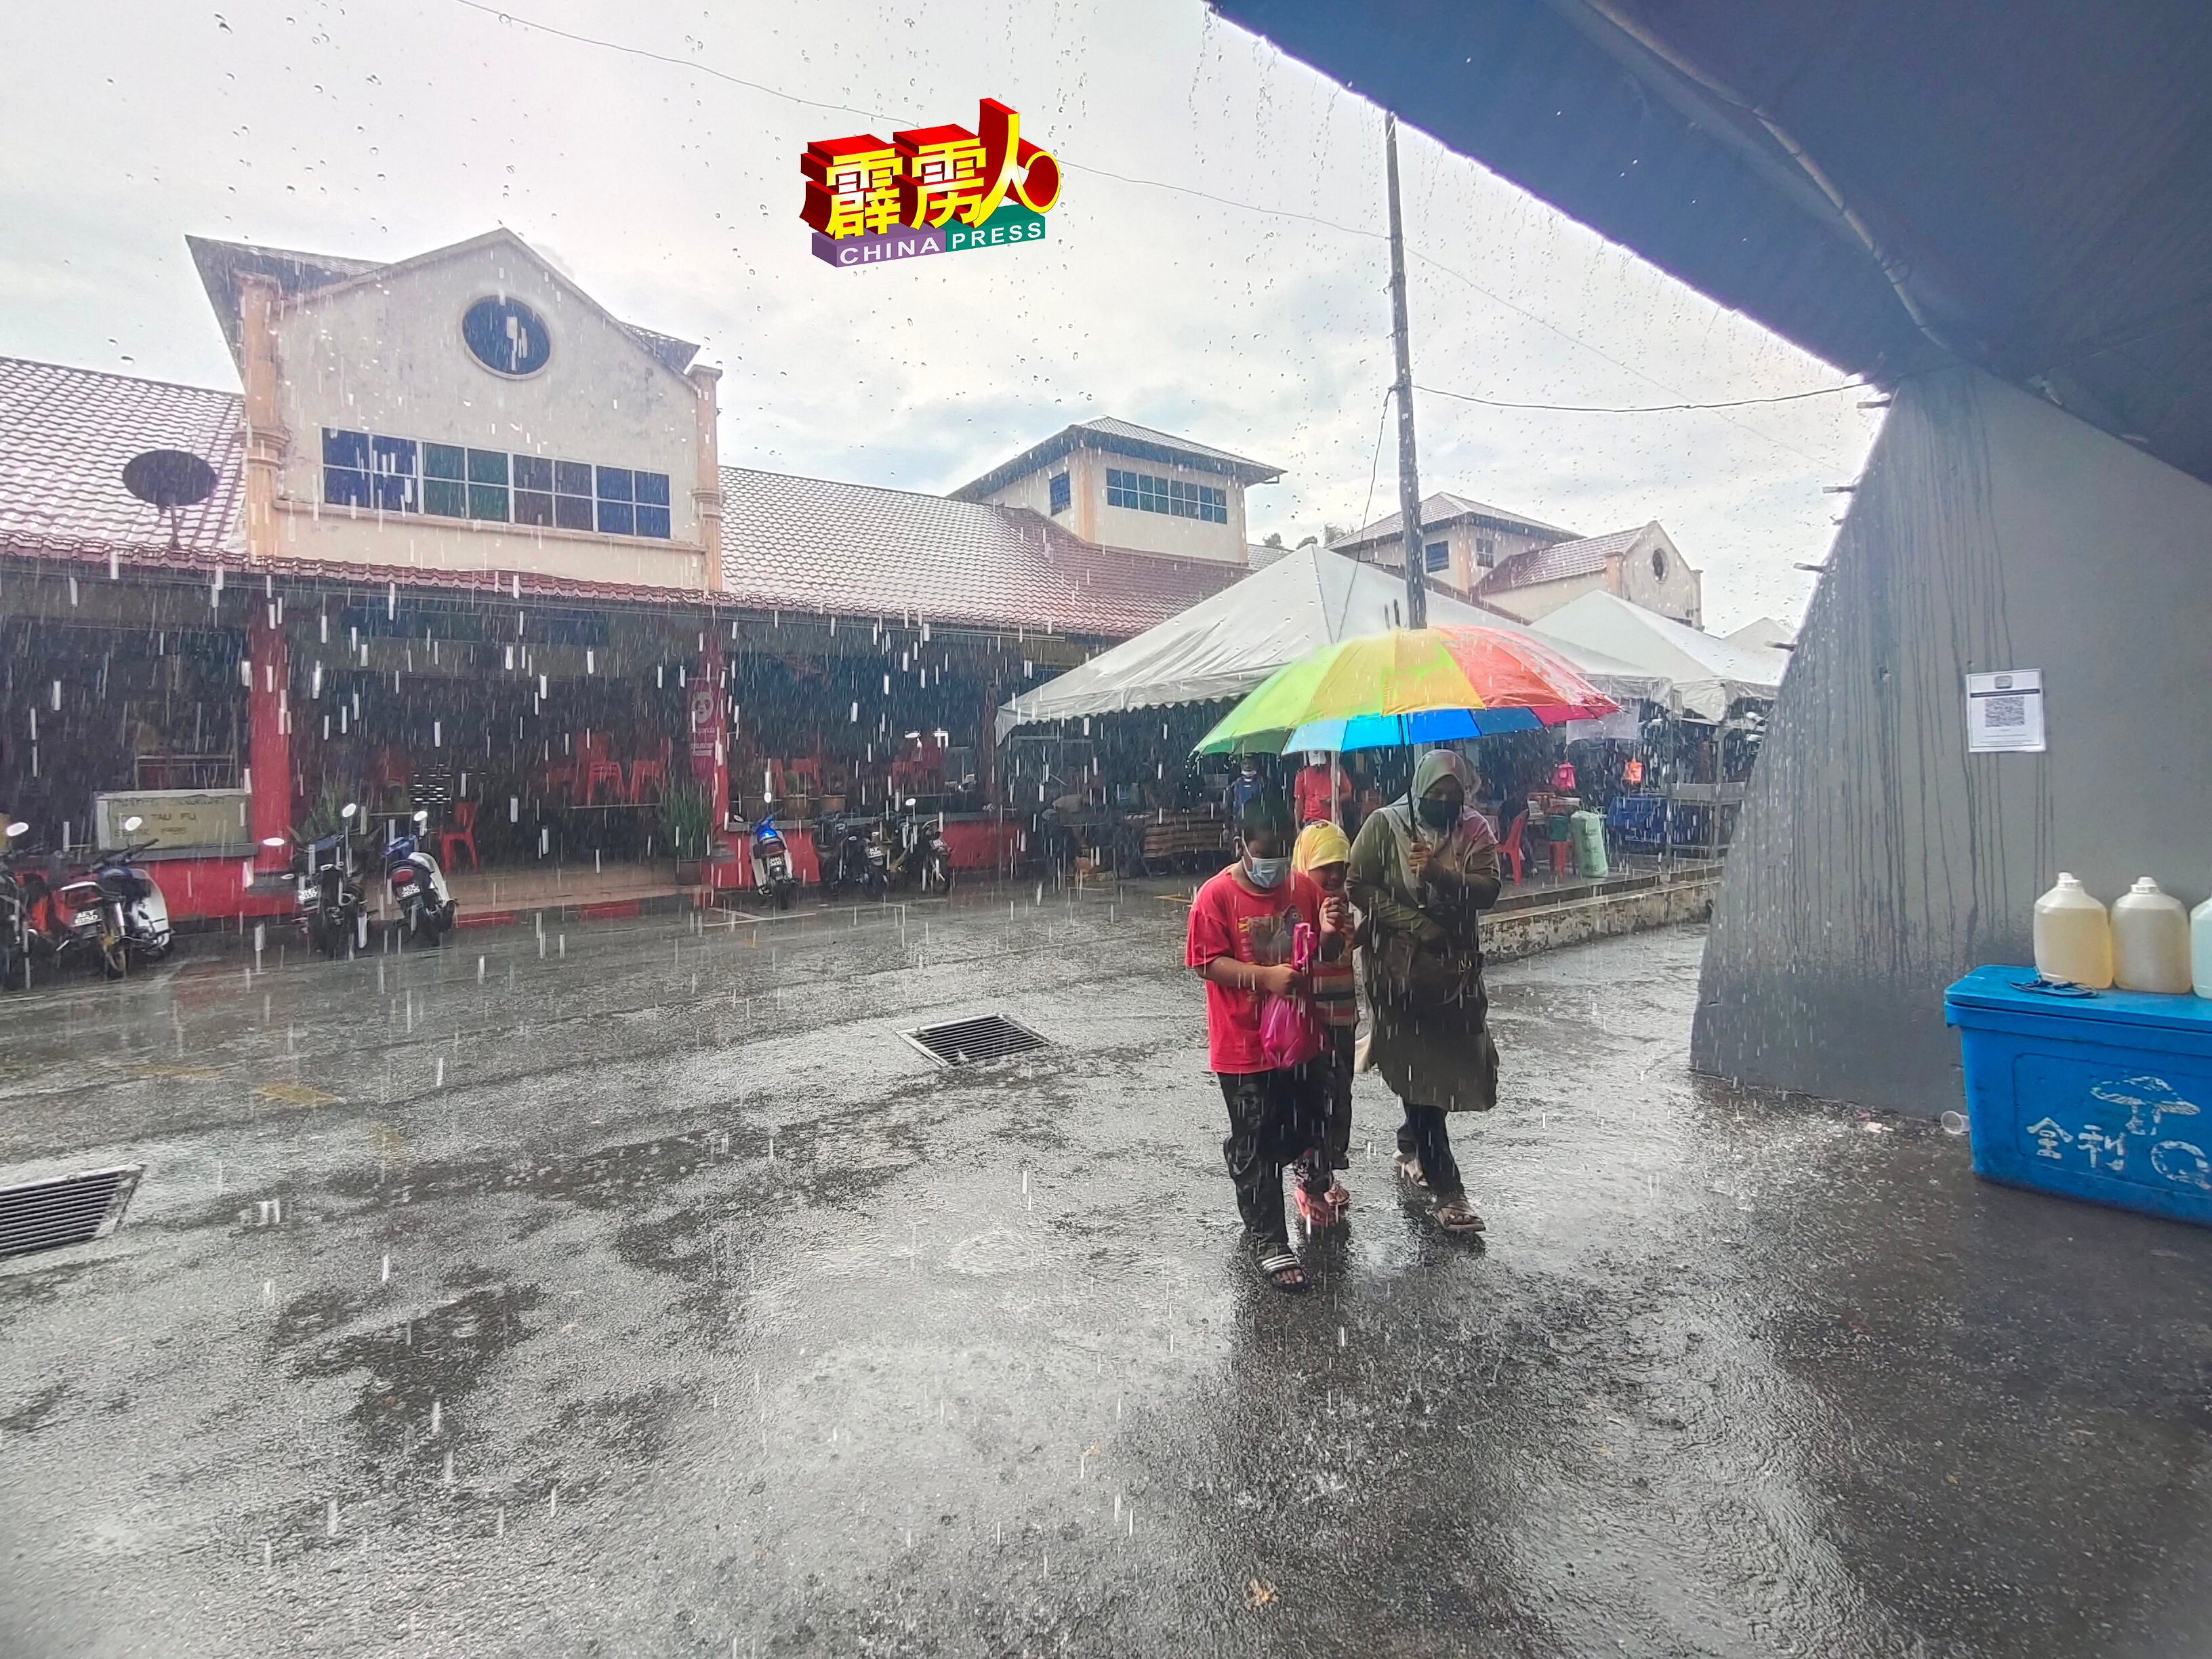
(639, 1291)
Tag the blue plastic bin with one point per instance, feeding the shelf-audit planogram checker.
(2106, 1096)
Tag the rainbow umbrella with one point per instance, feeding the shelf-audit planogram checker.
(1411, 685)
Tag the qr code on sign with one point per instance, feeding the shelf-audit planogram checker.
(2005, 711)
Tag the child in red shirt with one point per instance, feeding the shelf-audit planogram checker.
(1242, 923)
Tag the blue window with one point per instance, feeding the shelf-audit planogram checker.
(1437, 556)
(571, 495)
(393, 483)
(533, 489)
(444, 480)
(1147, 493)
(1062, 496)
(488, 484)
(451, 480)
(617, 496)
(652, 504)
(345, 468)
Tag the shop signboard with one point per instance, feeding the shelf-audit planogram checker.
(931, 190)
(204, 820)
(706, 733)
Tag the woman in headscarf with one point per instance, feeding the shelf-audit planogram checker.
(1423, 871)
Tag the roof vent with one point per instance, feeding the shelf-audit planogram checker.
(972, 1041)
(49, 1215)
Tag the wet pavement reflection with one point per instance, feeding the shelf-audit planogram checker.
(635, 1288)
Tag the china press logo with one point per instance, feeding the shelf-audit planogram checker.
(931, 190)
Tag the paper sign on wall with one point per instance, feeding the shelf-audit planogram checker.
(2005, 711)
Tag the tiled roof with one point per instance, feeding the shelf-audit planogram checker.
(222, 264)
(1564, 559)
(1121, 437)
(65, 436)
(1106, 426)
(812, 545)
(1439, 510)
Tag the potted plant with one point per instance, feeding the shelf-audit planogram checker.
(684, 828)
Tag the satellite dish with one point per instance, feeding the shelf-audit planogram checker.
(169, 479)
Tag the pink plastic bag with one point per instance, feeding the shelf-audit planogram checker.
(1290, 1030)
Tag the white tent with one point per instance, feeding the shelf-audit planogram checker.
(1764, 634)
(1224, 645)
(1707, 674)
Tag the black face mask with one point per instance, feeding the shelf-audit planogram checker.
(1439, 814)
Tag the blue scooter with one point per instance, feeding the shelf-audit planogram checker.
(418, 886)
(773, 876)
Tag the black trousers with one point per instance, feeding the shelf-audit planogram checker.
(1336, 1061)
(1276, 1119)
(1423, 1136)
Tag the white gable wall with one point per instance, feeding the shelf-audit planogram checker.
(1655, 574)
(385, 354)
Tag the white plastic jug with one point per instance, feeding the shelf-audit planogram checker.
(2150, 940)
(2073, 936)
(2200, 948)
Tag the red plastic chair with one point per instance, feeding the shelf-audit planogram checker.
(1563, 858)
(642, 772)
(463, 834)
(1510, 851)
(606, 772)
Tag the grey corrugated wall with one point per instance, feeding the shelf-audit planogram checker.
(1877, 861)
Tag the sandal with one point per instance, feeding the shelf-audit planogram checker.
(1321, 1211)
(1283, 1270)
(1409, 1170)
(1453, 1216)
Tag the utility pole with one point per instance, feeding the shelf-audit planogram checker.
(1409, 474)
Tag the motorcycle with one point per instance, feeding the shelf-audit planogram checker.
(137, 910)
(332, 909)
(773, 876)
(848, 860)
(16, 892)
(919, 851)
(110, 911)
(418, 886)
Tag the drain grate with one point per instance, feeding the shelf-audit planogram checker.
(46, 1215)
(971, 1042)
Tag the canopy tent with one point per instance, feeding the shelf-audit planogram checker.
(1706, 674)
(1764, 634)
(1224, 645)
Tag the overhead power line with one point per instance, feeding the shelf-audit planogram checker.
(1640, 409)
(696, 67)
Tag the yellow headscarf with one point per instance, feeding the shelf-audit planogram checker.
(1319, 844)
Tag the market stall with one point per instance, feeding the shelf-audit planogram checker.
(1223, 647)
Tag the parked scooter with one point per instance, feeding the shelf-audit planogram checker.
(110, 911)
(918, 851)
(773, 876)
(139, 911)
(65, 917)
(17, 888)
(850, 860)
(418, 886)
(332, 909)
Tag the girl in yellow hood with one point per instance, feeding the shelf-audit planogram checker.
(1323, 853)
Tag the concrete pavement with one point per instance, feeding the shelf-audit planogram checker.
(639, 1291)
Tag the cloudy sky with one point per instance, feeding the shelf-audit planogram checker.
(1215, 267)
